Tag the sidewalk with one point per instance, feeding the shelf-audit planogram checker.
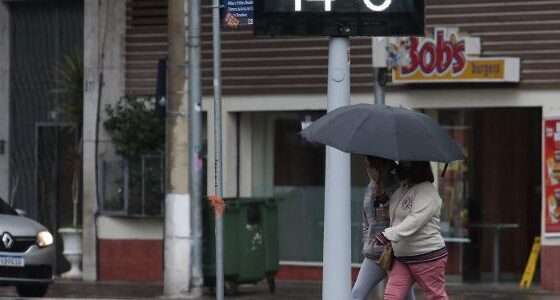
(284, 290)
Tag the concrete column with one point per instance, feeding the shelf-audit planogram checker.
(229, 145)
(245, 150)
(5, 101)
(262, 166)
(229, 155)
(91, 82)
(178, 240)
(104, 30)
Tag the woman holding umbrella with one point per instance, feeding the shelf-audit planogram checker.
(383, 182)
(415, 234)
(414, 139)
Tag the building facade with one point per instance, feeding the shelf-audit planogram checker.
(37, 140)
(271, 86)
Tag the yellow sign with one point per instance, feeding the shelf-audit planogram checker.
(448, 57)
(475, 70)
(529, 273)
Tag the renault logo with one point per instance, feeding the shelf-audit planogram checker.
(7, 240)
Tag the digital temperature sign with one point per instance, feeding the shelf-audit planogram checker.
(338, 17)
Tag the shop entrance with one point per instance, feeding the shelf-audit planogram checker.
(499, 186)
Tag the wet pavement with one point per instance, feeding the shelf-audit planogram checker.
(284, 290)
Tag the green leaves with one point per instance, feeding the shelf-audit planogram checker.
(134, 127)
(69, 82)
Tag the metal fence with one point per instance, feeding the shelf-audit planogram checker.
(133, 188)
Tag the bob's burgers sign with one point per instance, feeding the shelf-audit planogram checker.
(447, 57)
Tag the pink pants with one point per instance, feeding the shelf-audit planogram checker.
(430, 276)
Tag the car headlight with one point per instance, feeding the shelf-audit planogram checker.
(44, 239)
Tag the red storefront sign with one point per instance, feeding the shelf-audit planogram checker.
(551, 169)
(448, 56)
(441, 56)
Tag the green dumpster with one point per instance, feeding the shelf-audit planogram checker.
(250, 242)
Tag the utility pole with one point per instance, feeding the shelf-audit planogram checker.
(177, 252)
(195, 111)
(337, 272)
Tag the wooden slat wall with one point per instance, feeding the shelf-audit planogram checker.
(146, 43)
(520, 28)
(280, 65)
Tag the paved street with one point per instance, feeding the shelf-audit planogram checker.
(285, 290)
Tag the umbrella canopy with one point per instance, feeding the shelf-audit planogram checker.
(390, 132)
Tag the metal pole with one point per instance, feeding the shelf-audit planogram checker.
(126, 185)
(195, 99)
(379, 60)
(216, 34)
(496, 254)
(143, 182)
(336, 250)
(379, 85)
(379, 73)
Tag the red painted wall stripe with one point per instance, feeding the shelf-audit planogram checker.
(306, 273)
(131, 260)
(550, 268)
(142, 261)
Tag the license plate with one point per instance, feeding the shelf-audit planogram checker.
(12, 261)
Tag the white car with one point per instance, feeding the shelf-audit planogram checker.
(27, 255)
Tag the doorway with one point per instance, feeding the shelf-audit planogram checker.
(56, 164)
(499, 186)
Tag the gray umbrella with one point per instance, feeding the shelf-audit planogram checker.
(390, 132)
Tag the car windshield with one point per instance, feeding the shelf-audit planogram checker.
(5, 209)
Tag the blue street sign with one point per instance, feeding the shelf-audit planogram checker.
(237, 12)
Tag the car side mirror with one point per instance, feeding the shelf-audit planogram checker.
(21, 212)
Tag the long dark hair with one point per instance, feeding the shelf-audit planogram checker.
(380, 163)
(415, 171)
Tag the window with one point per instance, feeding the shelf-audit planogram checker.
(454, 187)
(299, 180)
(134, 188)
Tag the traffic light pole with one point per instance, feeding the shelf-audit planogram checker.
(337, 281)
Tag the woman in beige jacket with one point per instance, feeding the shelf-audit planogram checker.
(415, 234)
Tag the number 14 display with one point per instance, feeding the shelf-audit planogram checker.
(328, 7)
(338, 17)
